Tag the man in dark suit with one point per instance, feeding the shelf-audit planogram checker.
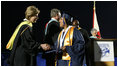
(51, 34)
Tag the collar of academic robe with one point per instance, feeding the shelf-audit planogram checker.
(9, 45)
(54, 19)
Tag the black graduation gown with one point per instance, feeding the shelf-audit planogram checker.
(24, 48)
(76, 51)
(85, 35)
(53, 31)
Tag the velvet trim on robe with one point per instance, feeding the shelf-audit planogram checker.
(24, 49)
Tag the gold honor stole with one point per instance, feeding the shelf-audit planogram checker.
(67, 42)
(11, 41)
(79, 28)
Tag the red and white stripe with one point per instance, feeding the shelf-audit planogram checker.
(95, 23)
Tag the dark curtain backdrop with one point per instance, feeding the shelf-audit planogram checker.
(13, 12)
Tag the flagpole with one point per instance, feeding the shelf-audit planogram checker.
(95, 22)
(94, 5)
(93, 12)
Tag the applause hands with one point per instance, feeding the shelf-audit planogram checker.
(45, 46)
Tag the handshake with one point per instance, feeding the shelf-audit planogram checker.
(45, 47)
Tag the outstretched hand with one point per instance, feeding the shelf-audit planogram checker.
(45, 47)
(63, 48)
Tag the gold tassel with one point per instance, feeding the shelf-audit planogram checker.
(69, 63)
(55, 63)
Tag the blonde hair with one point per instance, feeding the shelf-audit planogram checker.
(31, 11)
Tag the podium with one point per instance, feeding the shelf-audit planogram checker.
(101, 52)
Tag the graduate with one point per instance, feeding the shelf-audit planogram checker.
(23, 47)
(70, 44)
(76, 23)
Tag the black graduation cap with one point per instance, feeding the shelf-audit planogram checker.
(68, 18)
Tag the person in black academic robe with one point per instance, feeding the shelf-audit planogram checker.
(24, 49)
(72, 46)
(23, 52)
(51, 34)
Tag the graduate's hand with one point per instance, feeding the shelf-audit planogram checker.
(48, 47)
(63, 48)
(45, 46)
